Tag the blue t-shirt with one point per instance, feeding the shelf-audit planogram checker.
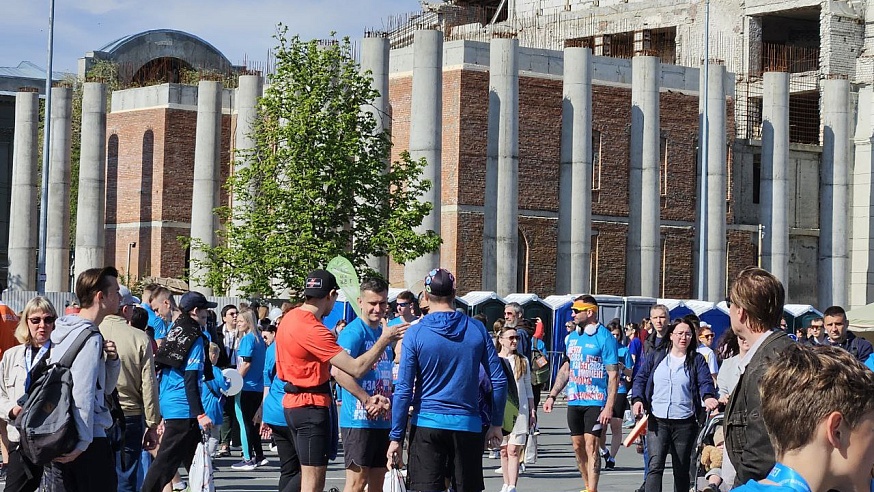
(589, 355)
(174, 404)
(753, 486)
(253, 346)
(157, 323)
(211, 395)
(271, 411)
(357, 338)
(624, 355)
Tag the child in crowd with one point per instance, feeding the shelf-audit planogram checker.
(213, 398)
(711, 460)
(818, 408)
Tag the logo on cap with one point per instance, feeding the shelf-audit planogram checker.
(314, 283)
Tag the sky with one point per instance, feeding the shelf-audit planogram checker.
(241, 29)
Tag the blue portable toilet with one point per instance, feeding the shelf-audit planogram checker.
(486, 303)
(561, 314)
(800, 315)
(610, 307)
(715, 315)
(535, 308)
(676, 308)
(637, 308)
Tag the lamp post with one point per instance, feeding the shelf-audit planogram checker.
(47, 130)
(130, 246)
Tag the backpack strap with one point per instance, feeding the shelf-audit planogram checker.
(76, 347)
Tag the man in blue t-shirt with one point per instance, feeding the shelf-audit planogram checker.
(162, 305)
(183, 363)
(591, 372)
(364, 417)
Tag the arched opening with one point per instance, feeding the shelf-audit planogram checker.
(160, 71)
(144, 248)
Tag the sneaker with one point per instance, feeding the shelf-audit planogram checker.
(604, 453)
(611, 463)
(629, 424)
(222, 453)
(180, 485)
(495, 454)
(261, 462)
(245, 465)
(499, 470)
(522, 469)
(272, 448)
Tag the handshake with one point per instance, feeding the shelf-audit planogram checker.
(377, 405)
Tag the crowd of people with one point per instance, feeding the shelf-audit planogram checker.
(150, 383)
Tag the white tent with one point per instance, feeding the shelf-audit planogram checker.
(862, 319)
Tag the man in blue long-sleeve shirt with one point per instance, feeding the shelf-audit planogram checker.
(439, 357)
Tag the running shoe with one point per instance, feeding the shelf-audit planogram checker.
(262, 462)
(245, 465)
(610, 464)
(222, 453)
(180, 485)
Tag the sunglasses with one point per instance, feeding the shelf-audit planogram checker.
(404, 304)
(576, 311)
(45, 319)
(707, 336)
(514, 338)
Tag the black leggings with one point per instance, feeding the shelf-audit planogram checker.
(249, 403)
(178, 445)
(21, 474)
(289, 463)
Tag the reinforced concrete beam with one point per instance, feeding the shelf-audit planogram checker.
(774, 201)
(58, 223)
(91, 209)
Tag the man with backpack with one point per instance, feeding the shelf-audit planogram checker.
(90, 466)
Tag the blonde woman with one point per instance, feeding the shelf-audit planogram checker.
(20, 366)
(250, 364)
(511, 447)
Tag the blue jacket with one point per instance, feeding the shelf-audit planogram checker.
(440, 358)
(701, 381)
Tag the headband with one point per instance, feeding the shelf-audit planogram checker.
(584, 306)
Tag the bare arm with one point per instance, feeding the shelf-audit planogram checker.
(359, 366)
(243, 367)
(561, 379)
(350, 384)
(612, 385)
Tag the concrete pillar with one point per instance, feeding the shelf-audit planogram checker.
(374, 58)
(644, 201)
(249, 89)
(204, 199)
(58, 223)
(774, 203)
(714, 283)
(23, 230)
(504, 92)
(862, 206)
(91, 209)
(575, 178)
(834, 256)
(426, 136)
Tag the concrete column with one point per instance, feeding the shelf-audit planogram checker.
(207, 154)
(249, 89)
(374, 58)
(426, 138)
(575, 178)
(774, 203)
(714, 286)
(58, 223)
(862, 206)
(834, 256)
(504, 91)
(644, 201)
(91, 209)
(23, 230)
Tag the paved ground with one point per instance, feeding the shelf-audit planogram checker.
(555, 471)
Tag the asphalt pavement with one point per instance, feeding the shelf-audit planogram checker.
(555, 470)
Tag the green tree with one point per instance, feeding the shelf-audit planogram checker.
(316, 181)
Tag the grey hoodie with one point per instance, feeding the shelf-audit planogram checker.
(90, 372)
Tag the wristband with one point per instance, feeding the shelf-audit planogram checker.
(550, 396)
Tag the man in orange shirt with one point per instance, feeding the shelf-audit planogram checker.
(305, 350)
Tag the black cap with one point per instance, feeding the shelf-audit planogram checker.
(320, 283)
(440, 282)
(194, 299)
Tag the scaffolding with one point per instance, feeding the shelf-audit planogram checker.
(804, 108)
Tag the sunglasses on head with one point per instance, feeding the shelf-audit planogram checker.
(46, 319)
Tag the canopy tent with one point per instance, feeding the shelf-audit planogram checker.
(676, 309)
(484, 302)
(799, 315)
(862, 319)
(713, 314)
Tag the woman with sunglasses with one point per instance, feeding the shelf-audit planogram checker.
(20, 366)
(670, 385)
(511, 447)
(705, 340)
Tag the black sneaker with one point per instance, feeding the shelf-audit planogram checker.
(610, 463)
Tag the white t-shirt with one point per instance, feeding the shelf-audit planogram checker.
(710, 358)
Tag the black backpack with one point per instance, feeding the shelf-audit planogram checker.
(46, 423)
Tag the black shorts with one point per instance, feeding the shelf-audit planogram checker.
(620, 405)
(311, 430)
(365, 447)
(584, 420)
(438, 454)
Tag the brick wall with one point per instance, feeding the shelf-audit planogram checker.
(149, 187)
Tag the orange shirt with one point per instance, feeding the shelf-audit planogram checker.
(8, 323)
(303, 348)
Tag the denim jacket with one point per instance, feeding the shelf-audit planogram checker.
(701, 381)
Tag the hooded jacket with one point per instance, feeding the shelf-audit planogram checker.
(440, 358)
(94, 378)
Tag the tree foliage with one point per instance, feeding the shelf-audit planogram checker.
(316, 184)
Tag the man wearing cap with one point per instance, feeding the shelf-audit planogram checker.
(591, 372)
(137, 389)
(446, 427)
(183, 364)
(305, 351)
